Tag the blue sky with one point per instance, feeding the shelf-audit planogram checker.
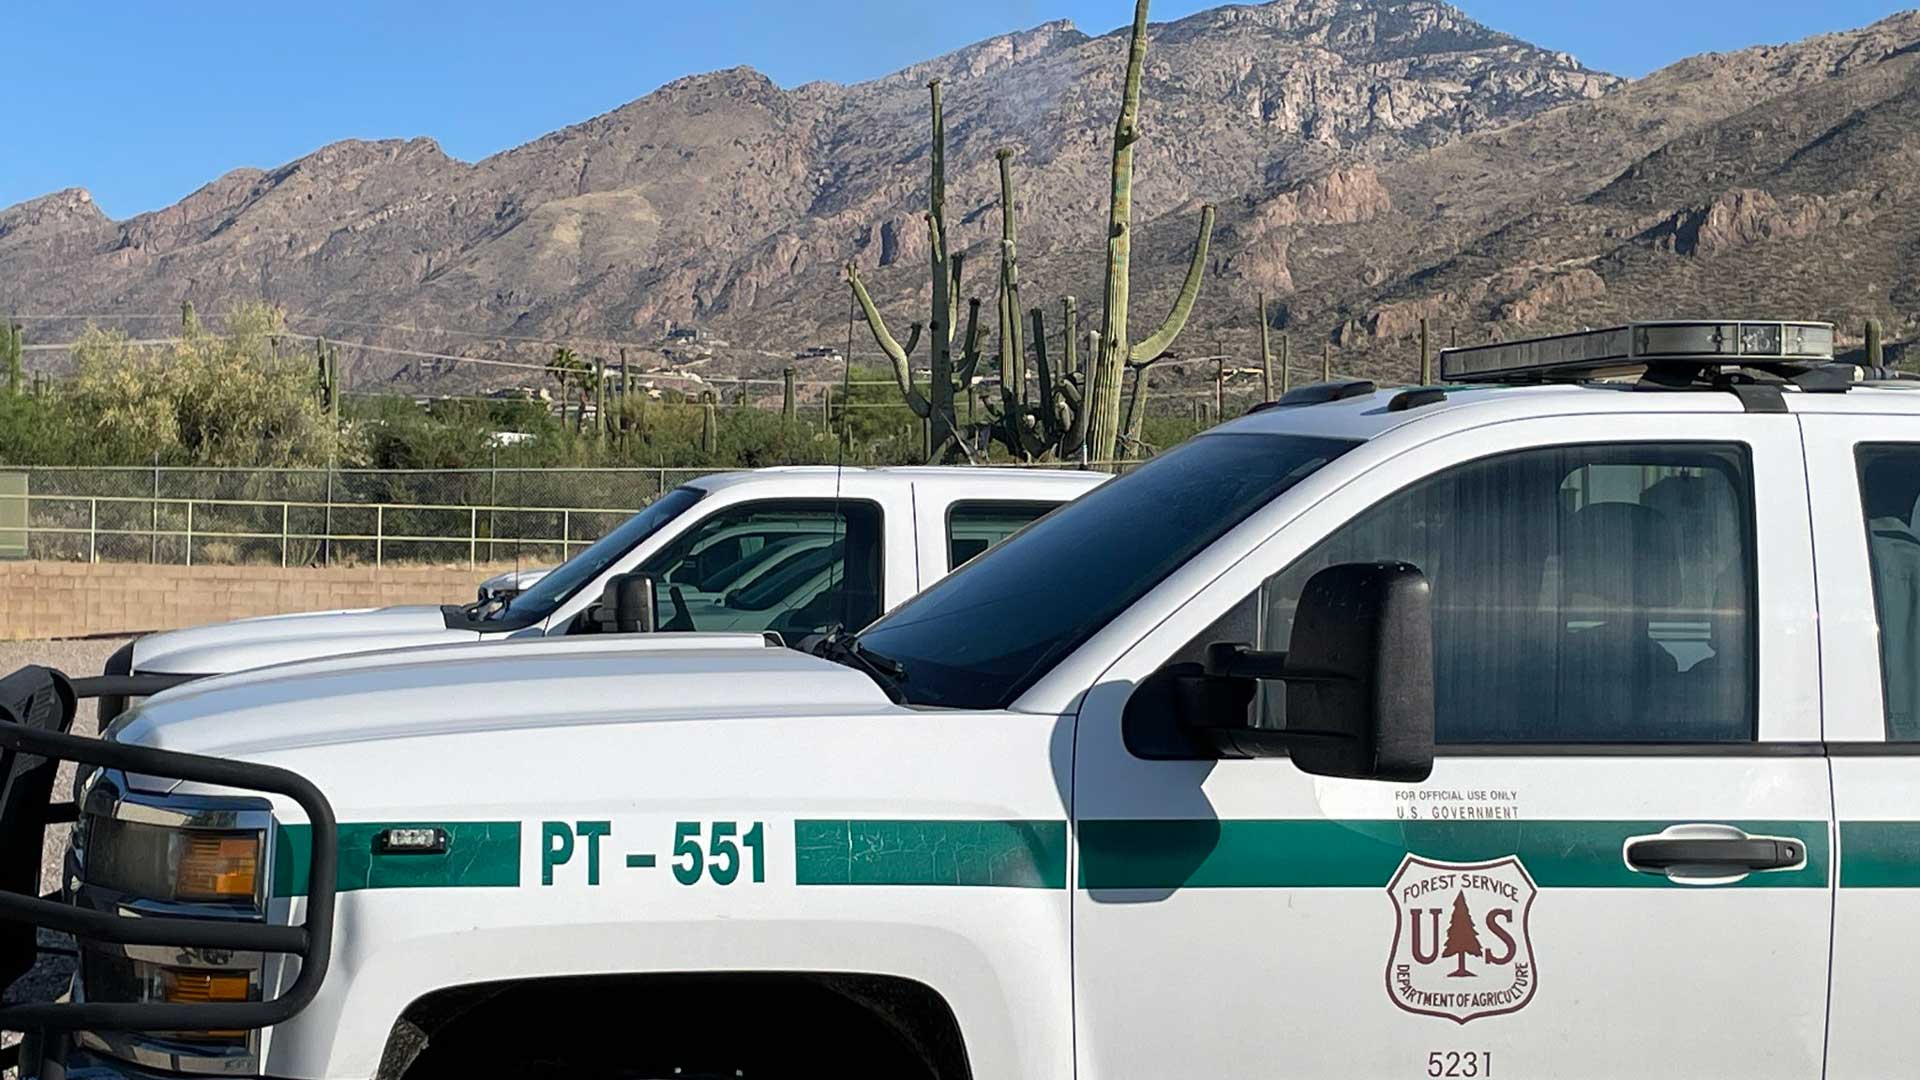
(142, 102)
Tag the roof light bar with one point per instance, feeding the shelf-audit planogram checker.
(1641, 345)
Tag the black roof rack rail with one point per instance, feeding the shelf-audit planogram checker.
(37, 707)
(1319, 394)
(1416, 397)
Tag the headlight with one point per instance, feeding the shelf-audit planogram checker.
(158, 862)
(158, 855)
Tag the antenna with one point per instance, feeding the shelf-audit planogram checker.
(838, 584)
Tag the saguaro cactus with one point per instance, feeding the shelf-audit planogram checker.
(189, 322)
(709, 424)
(1056, 423)
(945, 269)
(1116, 349)
(1876, 352)
(1145, 354)
(327, 360)
(11, 344)
(789, 397)
(1013, 355)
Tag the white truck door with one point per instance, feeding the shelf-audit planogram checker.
(1864, 474)
(1626, 691)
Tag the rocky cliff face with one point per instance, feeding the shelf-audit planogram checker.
(1776, 182)
(1375, 162)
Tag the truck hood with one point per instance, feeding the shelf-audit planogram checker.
(276, 639)
(489, 686)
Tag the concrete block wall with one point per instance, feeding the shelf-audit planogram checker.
(71, 599)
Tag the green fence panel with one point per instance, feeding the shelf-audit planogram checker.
(13, 515)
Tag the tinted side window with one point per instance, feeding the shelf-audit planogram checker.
(1889, 488)
(1585, 594)
(791, 566)
(973, 527)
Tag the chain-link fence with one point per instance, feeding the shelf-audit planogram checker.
(319, 517)
(309, 517)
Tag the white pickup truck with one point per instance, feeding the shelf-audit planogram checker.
(785, 549)
(1556, 722)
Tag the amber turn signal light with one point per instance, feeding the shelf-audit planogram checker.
(218, 867)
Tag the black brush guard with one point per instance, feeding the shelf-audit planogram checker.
(37, 707)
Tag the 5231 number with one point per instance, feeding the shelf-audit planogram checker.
(720, 859)
(1462, 1064)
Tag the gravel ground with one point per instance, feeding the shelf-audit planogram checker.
(84, 656)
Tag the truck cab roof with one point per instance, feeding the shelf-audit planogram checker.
(960, 480)
(1366, 415)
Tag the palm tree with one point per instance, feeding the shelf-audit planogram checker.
(567, 369)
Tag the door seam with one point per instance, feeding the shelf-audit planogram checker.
(1833, 793)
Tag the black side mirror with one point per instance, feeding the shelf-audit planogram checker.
(626, 605)
(1358, 675)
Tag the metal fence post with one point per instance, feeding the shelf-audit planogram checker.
(379, 533)
(93, 530)
(473, 537)
(326, 541)
(566, 535)
(153, 535)
(284, 513)
(189, 532)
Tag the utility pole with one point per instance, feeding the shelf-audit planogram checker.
(626, 399)
(1426, 357)
(600, 401)
(1286, 365)
(1326, 361)
(1266, 354)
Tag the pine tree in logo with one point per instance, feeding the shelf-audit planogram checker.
(1462, 939)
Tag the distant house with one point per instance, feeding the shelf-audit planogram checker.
(520, 393)
(818, 352)
(499, 439)
(685, 335)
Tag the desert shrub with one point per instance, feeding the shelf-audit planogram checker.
(209, 399)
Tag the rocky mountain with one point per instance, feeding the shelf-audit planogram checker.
(1374, 161)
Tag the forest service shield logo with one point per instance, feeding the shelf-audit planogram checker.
(1460, 943)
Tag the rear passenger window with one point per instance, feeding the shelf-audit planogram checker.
(1889, 489)
(973, 527)
(1586, 594)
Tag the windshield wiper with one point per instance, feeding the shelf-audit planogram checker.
(843, 648)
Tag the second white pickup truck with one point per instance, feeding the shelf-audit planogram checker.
(788, 550)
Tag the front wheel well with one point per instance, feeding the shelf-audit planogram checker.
(750, 1026)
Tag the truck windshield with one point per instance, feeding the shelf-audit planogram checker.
(545, 596)
(978, 638)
